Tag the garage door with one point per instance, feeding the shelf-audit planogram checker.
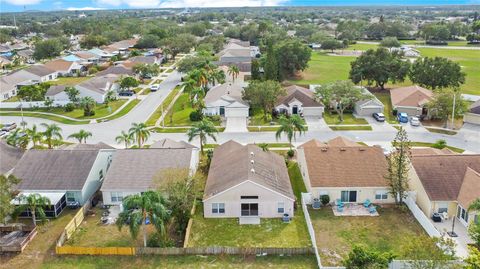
(368, 111)
(236, 112)
(312, 111)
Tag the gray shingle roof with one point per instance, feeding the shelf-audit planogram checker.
(231, 165)
(167, 143)
(40, 70)
(9, 157)
(54, 169)
(135, 169)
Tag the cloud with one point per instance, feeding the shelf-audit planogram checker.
(83, 8)
(22, 2)
(189, 3)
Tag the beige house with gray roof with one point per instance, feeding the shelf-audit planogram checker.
(248, 183)
(98, 87)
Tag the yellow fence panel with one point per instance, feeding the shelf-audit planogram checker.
(95, 250)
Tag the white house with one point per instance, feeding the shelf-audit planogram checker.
(301, 101)
(248, 183)
(368, 106)
(39, 73)
(137, 170)
(71, 175)
(65, 68)
(98, 87)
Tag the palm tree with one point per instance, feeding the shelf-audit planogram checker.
(199, 76)
(216, 75)
(17, 139)
(290, 126)
(188, 85)
(196, 93)
(52, 132)
(233, 71)
(124, 138)
(202, 129)
(139, 132)
(81, 135)
(34, 135)
(264, 147)
(88, 105)
(139, 207)
(35, 204)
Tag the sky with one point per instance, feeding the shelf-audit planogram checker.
(48, 5)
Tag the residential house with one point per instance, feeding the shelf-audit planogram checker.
(134, 171)
(248, 183)
(368, 106)
(168, 143)
(446, 183)
(62, 175)
(101, 54)
(117, 70)
(411, 100)
(145, 60)
(344, 170)
(407, 51)
(39, 73)
(121, 47)
(57, 93)
(87, 56)
(10, 84)
(9, 157)
(236, 53)
(98, 87)
(65, 68)
(26, 56)
(4, 63)
(299, 101)
(473, 115)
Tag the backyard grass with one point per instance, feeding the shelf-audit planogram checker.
(351, 128)
(296, 179)
(70, 81)
(348, 119)
(441, 131)
(270, 233)
(430, 145)
(124, 110)
(390, 231)
(92, 233)
(42, 246)
(174, 262)
(179, 115)
(43, 116)
(158, 112)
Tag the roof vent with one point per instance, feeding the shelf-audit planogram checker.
(252, 154)
(252, 170)
(342, 149)
(252, 161)
(362, 149)
(324, 149)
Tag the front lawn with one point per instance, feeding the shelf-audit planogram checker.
(158, 112)
(258, 119)
(391, 231)
(43, 116)
(384, 97)
(348, 119)
(270, 232)
(351, 128)
(179, 115)
(441, 131)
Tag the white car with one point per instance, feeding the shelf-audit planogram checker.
(414, 121)
(154, 87)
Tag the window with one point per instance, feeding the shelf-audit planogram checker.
(116, 196)
(442, 207)
(462, 214)
(100, 174)
(281, 207)
(70, 197)
(218, 208)
(349, 196)
(248, 197)
(381, 195)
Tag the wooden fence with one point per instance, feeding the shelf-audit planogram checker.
(218, 250)
(72, 250)
(17, 245)
(72, 226)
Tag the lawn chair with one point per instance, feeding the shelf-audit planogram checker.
(339, 203)
(367, 203)
(339, 208)
(372, 209)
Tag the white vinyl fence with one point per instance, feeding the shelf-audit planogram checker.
(307, 197)
(420, 216)
(400, 264)
(17, 105)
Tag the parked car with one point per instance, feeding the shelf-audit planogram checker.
(126, 93)
(9, 126)
(154, 87)
(3, 133)
(379, 117)
(402, 117)
(414, 121)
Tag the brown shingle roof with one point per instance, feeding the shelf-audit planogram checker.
(442, 176)
(59, 65)
(39, 70)
(305, 96)
(414, 96)
(135, 169)
(231, 165)
(470, 189)
(344, 163)
(54, 169)
(9, 157)
(430, 151)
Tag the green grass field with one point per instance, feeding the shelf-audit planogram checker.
(351, 128)
(158, 112)
(43, 116)
(324, 68)
(124, 110)
(348, 118)
(70, 81)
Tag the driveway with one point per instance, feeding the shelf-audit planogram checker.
(316, 124)
(379, 126)
(236, 125)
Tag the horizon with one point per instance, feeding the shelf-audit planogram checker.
(9, 6)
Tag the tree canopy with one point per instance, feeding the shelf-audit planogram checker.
(438, 72)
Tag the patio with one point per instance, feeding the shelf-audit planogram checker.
(463, 238)
(355, 210)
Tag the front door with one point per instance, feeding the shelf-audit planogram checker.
(250, 209)
(222, 110)
(295, 110)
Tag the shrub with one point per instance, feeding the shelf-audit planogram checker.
(290, 153)
(325, 199)
(69, 107)
(88, 113)
(196, 116)
(215, 118)
(440, 144)
(156, 241)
